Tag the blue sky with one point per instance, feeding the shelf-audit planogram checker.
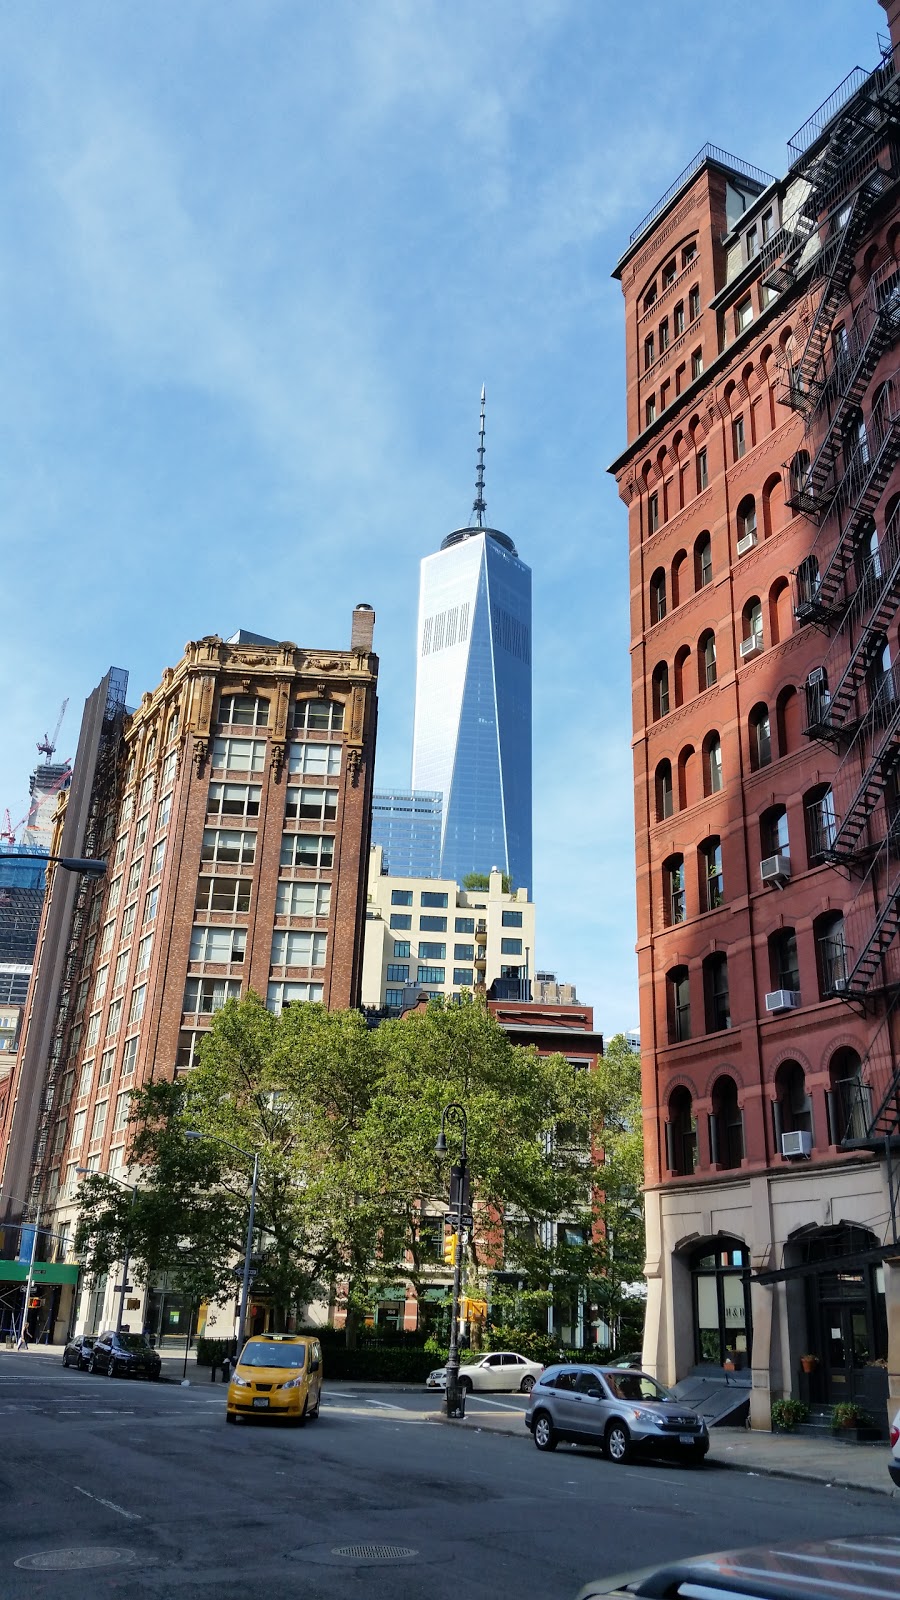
(256, 261)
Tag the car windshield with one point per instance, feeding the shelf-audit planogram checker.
(273, 1355)
(132, 1341)
(635, 1386)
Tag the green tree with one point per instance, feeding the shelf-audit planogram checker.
(482, 880)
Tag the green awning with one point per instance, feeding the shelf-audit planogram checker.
(41, 1272)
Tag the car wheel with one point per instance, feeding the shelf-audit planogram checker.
(300, 1422)
(466, 1385)
(617, 1443)
(526, 1386)
(544, 1432)
(154, 1376)
(92, 1364)
(230, 1416)
(111, 1369)
(65, 1358)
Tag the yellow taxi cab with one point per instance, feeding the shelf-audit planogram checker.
(277, 1375)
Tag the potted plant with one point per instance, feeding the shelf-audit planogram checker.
(788, 1414)
(809, 1363)
(848, 1417)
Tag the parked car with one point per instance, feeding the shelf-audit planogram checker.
(894, 1463)
(802, 1571)
(78, 1350)
(120, 1355)
(277, 1375)
(502, 1369)
(624, 1411)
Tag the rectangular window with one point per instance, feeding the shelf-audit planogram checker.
(114, 1018)
(128, 921)
(93, 1029)
(79, 1123)
(188, 1041)
(150, 905)
(156, 857)
(401, 950)
(738, 438)
(429, 950)
(393, 999)
(649, 352)
(668, 274)
(121, 972)
(702, 471)
(168, 768)
(768, 225)
(511, 919)
(119, 852)
(752, 242)
(138, 998)
(315, 850)
(463, 977)
(224, 894)
(743, 315)
(298, 947)
(109, 929)
(319, 715)
(429, 897)
(164, 811)
(430, 975)
(107, 1061)
(129, 1057)
(678, 319)
(303, 900)
(465, 925)
(653, 512)
(694, 304)
(279, 995)
(510, 947)
(100, 985)
(433, 924)
(134, 876)
(221, 844)
(85, 1080)
(140, 835)
(126, 813)
(664, 335)
(311, 805)
(697, 364)
(238, 755)
(397, 973)
(314, 760)
(146, 790)
(400, 921)
(121, 1117)
(205, 995)
(464, 952)
(650, 411)
(401, 897)
(99, 1122)
(218, 944)
(244, 710)
(233, 800)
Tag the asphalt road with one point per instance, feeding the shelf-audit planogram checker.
(199, 1510)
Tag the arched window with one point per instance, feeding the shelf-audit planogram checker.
(849, 1097)
(773, 832)
(713, 776)
(784, 962)
(781, 616)
(821, 822)
(706, 658)
(760, 737)
(172, 727)
(660, 691)
(657, 596)
(679, 995)
(712, 880)
(799, 493)
(787, 712)
(807, 586)
(746, 525)
(831, 944)
(715, 993)
(679, 568)
(869, 568)
(880, 677)
(726, 1124)
(752, 628)
(682, 658)
(855, 440)
(673, 890)
(688, 786)
(681, 1133)
(793, 1107)
(720, 1277)
(703, 570)
(772, 505)
(664, 791)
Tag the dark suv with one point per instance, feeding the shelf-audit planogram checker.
(122, 1354)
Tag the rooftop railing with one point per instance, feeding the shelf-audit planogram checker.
(708, 152)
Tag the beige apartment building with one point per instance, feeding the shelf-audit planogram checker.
(429, 936)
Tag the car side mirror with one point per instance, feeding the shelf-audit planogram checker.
(314, 1366)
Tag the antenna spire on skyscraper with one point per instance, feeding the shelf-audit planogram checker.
(479, 506)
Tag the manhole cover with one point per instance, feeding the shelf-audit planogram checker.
(78, 1558)
(374, 1552)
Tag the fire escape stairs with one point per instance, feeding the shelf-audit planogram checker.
(882, 765)
(815, 489)
(882, 593)
(858, 983)
(871, 475)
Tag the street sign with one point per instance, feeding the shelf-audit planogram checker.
(460, 1190)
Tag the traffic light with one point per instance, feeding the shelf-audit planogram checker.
(450, 1243)
(34, 1302)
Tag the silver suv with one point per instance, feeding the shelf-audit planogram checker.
(625, 1411)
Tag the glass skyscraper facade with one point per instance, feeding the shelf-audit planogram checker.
(408, 828)
(472, 737)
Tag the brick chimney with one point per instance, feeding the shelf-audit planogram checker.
(892, 7)
(362, 633)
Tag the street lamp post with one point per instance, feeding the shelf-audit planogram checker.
(248, 1247)
(89, 866)
(455, 1400)
(124, 1285)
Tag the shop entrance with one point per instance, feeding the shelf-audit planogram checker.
(846, 1343)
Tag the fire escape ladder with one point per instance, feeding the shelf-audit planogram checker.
(872, 606)
(860, 979)
(881, 766)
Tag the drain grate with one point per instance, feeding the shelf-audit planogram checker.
(375, 1552)
(76, 1559)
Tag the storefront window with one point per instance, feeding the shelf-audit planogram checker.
(722, 1329)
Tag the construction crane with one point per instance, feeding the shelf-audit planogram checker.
(47, 746)
(8, 832)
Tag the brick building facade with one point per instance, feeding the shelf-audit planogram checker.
(233, 808)
(760, 476)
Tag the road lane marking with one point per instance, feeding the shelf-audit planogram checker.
(133, 1516)
(503, 1405)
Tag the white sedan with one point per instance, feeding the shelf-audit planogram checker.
(502, 1369)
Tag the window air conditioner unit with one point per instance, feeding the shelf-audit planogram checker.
(751, 646)
(775, 869)
(796, 1146)
(746, 543)
(783, 1000)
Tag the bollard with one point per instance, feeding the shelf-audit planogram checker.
(226, 1370)
(212, 1372)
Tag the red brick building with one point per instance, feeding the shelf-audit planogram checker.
(233, 809)
(763, 415)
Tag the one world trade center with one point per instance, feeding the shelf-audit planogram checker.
(472, 736)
